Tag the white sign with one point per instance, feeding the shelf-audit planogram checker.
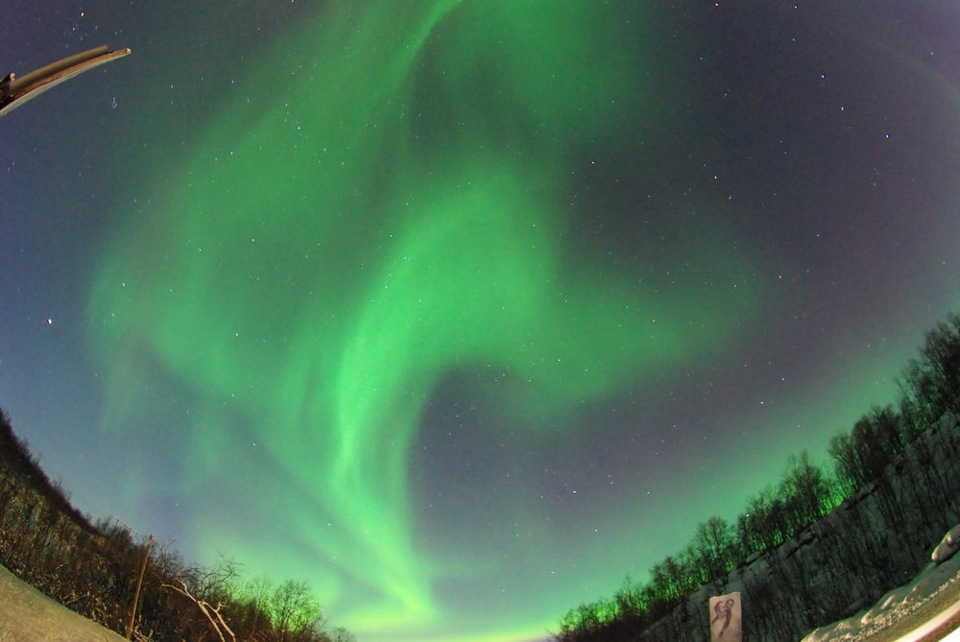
(726, 618)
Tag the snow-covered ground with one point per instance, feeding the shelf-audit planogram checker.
(27, 615)
(904, 614)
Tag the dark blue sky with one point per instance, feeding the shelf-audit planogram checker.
(778, 182)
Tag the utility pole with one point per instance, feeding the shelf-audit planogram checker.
(143, 569)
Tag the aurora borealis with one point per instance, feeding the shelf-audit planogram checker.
(464, 310)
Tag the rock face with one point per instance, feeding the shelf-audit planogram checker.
(911, 611)
(878, 539)
(27, 615)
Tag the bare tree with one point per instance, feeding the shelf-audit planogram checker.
(340, 634)
(713, 547)
(295, 610)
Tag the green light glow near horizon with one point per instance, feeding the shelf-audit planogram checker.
(320, 261)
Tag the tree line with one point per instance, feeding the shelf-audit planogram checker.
(93, 568)
(818, 545)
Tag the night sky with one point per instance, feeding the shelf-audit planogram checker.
(464, 310)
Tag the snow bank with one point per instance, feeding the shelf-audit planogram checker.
(948, 546)
(27, 615)
(899, 602)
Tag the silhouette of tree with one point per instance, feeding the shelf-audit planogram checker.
(295, 612)
(713, 547)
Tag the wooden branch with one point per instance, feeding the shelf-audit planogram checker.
(223, 623)
(219, 625)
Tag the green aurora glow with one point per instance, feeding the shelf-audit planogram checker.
(320, 264)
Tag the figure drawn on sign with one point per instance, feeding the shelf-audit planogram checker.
(724, 610)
